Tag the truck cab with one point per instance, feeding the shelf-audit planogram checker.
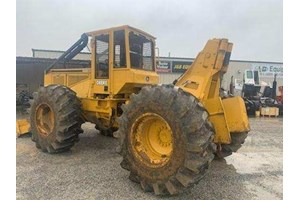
(251, 77)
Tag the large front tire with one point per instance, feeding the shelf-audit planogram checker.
(179, 147)
(55, 119)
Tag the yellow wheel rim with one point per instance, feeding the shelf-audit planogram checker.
(44, 119)
(152, 140)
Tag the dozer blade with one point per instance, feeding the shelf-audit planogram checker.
(22, 126)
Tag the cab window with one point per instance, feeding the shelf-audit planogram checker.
(249, 74)
(256, 77)
(119, 49)
(141, 52)
(102, 56)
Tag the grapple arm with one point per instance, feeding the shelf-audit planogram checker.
(203, 80)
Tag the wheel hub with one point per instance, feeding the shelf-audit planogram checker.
(152, 140)
(44, 119)
(164, 137)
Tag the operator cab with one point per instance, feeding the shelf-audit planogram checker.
(120, 53)
(140, 45)
(141, 52)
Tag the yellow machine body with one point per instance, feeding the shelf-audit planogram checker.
(203, 80)
(102, 97)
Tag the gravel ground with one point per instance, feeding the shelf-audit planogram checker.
(91, 170)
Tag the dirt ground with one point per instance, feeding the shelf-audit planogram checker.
(91, 169)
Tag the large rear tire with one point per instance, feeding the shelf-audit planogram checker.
(166, 139)
(237, 139)
(55, 118)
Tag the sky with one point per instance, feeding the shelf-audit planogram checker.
(181, 27)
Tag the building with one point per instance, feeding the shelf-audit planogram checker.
(30, 69)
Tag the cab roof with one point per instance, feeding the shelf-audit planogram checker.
(124, 27)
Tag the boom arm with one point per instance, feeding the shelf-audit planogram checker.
(203, 80)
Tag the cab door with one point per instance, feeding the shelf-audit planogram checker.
(121, 73)
(103, 63)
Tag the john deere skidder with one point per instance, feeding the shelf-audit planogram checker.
(168, 134)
